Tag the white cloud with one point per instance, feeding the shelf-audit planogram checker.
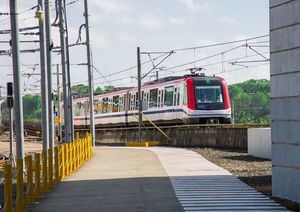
(150, 21)
(205, 42)
(111, 6)
(98, 41)
(227, 20)
(126, 37)
(196, 5)
(177, 21)
(239, 37)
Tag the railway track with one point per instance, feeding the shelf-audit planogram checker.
(34, 129)
(177, 126)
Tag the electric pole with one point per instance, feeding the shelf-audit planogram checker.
(90, 73)
(64, 73)
(49, 72)
(18, 109)
(70, 105)
(50, 92)
(44, 88)
(139, 91)
(59, 133)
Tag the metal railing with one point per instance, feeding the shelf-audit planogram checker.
(42, 171)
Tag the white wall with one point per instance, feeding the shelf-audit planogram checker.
(259, 142)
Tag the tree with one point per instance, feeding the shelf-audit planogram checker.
(98, 91)
(80, 90)
(109, 88)
(251, 101)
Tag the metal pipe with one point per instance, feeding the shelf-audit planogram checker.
(64, 73)
(139, 91)
(18, 109)
(49, 73)
(43, 69)
(59, 133)
(90, 74)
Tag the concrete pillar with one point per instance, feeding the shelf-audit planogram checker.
(285, 97)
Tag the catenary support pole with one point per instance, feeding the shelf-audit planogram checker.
(43, 69)
(44, 92)
(90, 73)
(64, 73)
(139, 91)
(59, 132)
(18, 109)
(70, 105)
(49, 72)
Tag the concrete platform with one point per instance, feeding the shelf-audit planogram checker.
(152, 179)
(114, 179)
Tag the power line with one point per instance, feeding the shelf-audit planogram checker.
(223, 43)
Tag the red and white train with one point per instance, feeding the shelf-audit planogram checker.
(185, 99)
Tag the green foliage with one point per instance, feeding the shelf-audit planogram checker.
(108, 88)
(80, 90)
(251, 101)
(32, 107)
(83, 90)
(98, 91)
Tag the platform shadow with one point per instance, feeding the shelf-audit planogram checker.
(128, 194)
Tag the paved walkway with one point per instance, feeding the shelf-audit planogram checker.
(152, 179)
(202, 186)
(114, 179)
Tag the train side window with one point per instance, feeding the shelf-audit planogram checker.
(153, 98)
(96, 106)
(175, 96)
(105, 105)
(184, 95)
(169, 96)
(115, 104)
(78, 108)
(178, 96)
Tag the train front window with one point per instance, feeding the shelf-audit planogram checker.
(209, 94)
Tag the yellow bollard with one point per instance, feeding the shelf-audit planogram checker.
(71, 156)
(50, 168)
(63, 161)
(86, 147)
(8, 200)
(67, 159)
(76, 154)
(20, 186)
(37, 176)
(82, 153)
(56, 164)
(30, 192)
(45, 171)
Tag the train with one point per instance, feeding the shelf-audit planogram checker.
(187, 99)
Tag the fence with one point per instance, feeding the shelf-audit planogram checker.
(42, 171)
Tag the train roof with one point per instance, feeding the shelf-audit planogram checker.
(155, 82)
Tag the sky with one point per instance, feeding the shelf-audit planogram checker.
(118, 27)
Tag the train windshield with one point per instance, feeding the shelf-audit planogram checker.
(209, 94)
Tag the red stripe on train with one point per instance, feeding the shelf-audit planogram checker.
(191, 93)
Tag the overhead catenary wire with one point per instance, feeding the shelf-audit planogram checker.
(184, 64)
